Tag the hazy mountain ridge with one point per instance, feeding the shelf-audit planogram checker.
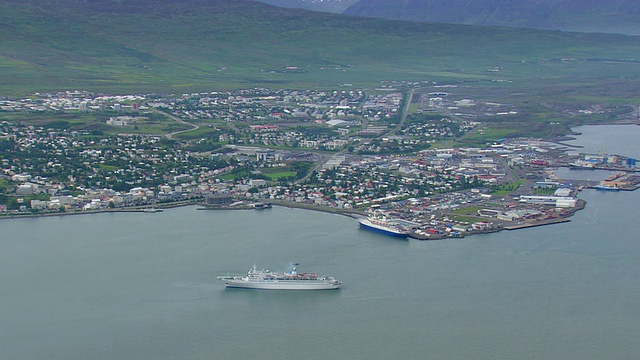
(611, 16)
(332, 6)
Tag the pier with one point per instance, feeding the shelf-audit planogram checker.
(525, 225)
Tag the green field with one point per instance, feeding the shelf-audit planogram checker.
(282, 175)
(506, 189)
(487, 135)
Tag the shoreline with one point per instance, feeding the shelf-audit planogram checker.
(354, 214)
(133, 209)
(141, 209)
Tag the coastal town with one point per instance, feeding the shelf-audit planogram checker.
(389, 154)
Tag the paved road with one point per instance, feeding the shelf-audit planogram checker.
(177, 119)
(403, 117)
(324, 158)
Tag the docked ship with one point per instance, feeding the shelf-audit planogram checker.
(380, 223)
(582, 165)
(607, 187)
(262, 206)
(292, 280)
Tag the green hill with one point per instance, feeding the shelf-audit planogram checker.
(202, 45)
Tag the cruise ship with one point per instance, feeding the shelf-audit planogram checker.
(380, 223)
(292, 280)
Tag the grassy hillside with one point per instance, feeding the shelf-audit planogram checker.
(200, 45)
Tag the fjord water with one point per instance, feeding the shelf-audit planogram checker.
(142, 286)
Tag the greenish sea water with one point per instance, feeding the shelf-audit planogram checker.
(142, 286)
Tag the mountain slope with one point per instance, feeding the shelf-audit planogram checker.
(194, 45)
(610, 16)
(332, 6)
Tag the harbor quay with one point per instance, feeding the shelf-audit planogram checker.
(483, 217)
(446, 223)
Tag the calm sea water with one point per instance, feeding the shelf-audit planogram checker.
(142, 286)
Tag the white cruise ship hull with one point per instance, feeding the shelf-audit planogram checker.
(282, 285)
(265, 279)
